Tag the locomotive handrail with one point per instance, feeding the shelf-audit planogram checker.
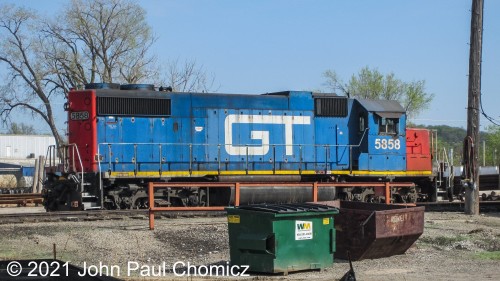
(99, 168)
(362, 137)
(208, 144)
(247, 155)
(218, 145)
(51, 158)
(358, 145)
(109, 157)
(75, 147)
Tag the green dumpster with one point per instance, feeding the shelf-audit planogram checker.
(282, 238)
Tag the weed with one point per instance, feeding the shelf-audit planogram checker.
(443, 240)
(489, 255)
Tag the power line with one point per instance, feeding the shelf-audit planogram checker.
(489, 118)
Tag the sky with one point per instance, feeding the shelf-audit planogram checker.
(261, 46)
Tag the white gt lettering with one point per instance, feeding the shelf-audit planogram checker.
(263, 136)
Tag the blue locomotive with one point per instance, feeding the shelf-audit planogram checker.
(123, 136)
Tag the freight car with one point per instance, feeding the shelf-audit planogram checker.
(451, 186)
(123, 136)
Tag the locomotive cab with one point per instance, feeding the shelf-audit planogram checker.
(383, 148)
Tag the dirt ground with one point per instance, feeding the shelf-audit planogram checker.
(454, 246)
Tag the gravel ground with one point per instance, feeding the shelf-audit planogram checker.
(453, 247)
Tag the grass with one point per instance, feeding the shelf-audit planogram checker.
(489, 255)
(8, 251)
(7, 254)
(443, 240)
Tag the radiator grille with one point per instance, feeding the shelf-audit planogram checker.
(133, 106)
(331, 107)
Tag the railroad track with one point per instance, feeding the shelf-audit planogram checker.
(21, 199)
(92, 215)
(484, 206)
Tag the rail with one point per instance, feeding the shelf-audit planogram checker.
(21, 199)
(237, 186)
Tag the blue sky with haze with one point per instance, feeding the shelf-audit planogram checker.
(263, 46)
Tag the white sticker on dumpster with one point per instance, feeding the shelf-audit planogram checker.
(303, 230)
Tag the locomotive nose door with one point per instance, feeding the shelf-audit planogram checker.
(82, 128)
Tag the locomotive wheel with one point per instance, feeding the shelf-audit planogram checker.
(370, 198)
(397, 198)
(110, 206)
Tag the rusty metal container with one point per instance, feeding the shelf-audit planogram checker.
(370, 231)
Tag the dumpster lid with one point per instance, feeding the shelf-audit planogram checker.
(289, 208)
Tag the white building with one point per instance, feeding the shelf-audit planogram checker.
(18, 151)
(24, 146)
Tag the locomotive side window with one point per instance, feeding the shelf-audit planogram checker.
(388, 126)
(362, 124)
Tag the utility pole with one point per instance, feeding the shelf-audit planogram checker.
(472, 142)
(484, 153)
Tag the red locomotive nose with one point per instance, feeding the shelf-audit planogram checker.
(82, 130)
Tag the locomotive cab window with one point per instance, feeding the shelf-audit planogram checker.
(362, 123)
(388, 126)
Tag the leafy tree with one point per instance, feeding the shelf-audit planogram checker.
(450, 138)
(371, 84)
(492, 140)
(453, 138)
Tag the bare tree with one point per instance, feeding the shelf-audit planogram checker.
(28, 77)
(92, 41)
(190, 77)
(333, 82)
(21, 129)
(101, 41)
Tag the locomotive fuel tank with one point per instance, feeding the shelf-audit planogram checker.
(267, 193)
